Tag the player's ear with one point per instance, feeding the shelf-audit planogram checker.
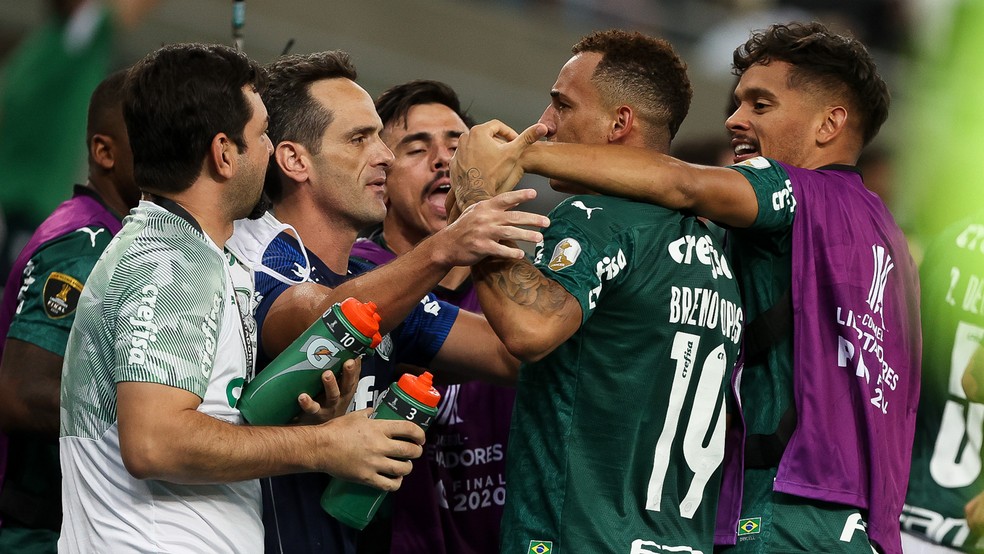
(621, 124)
(222, 155)
(294, 160)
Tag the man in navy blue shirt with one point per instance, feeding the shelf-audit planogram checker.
(327, 182)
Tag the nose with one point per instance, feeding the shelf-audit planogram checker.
(269, 144)
(549, 118)
(385, 155)
(737, 120)
(442, 159)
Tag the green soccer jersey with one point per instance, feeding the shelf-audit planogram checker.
(947, 454)
(618, 434)
(762, 255)
(51, 285)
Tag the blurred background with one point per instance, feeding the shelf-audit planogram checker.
(502, 57)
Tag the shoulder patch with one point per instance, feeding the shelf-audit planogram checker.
(757, 162)
(61, 295)
(564, 254)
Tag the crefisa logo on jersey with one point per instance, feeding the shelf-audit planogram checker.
(144, 329)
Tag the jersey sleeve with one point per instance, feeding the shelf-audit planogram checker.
(422, 334)
(579, 253)
(774, 192)
(169, 304)
(284, 259)
(51, 285)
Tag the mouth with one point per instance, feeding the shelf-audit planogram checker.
(436, 194)
(744, 149)
(377, 186)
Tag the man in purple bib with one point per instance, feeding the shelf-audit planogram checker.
(452, 500)
(37, 313)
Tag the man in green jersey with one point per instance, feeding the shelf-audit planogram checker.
(830, 379)
(629, 319)
(947, 452)
(36, 315)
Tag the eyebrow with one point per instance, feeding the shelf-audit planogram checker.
(364, 130)
(755, 92)
(425, 136)
(560, 97)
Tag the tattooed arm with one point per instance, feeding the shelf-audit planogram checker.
(532, 314)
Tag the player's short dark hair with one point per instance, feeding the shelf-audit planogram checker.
(394, 104)
(175, 100)
(642, 71)
(295, 115)
(824, 62)
(105, 104)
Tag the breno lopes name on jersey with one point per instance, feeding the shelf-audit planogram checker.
(705, 308)
(701, 307)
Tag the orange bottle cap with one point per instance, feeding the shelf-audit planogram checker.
(364, 318)
(420, 388)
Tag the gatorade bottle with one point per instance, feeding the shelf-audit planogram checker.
(347, 330)
(411, 398)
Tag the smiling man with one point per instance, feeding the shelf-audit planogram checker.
(832, 343)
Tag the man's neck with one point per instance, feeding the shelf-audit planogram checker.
(206, 210)
(110, 196)
(329, 238)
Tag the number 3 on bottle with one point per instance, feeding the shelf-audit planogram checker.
(703, 461)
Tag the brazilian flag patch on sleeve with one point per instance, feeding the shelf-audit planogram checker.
(749, 526)
(540, 547)
(61, 295)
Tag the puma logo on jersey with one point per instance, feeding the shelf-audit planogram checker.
(92, 234)
(580, 205)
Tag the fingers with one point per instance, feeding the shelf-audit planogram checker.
(332, 393)
(351, 370)
(409, 437)
(308, 405)
(533, 133)
(496, 128)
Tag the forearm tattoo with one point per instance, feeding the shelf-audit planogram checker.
(472, 190)
(522, 283)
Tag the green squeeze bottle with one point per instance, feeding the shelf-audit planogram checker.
(411, 398)
(347, 330)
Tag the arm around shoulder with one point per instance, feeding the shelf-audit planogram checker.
(719, 194)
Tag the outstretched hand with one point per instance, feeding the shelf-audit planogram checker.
(486, 162)
(478, 232)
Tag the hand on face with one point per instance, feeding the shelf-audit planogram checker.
(485, 164)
